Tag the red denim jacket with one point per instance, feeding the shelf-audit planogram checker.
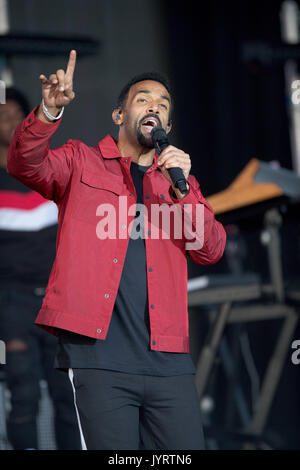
(85, 276)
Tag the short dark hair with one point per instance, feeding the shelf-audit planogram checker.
(13, 94)
(154, 76)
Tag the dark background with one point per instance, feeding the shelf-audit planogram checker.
(227, 111)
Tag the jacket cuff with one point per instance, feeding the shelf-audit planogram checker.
(189, 198)
(37, 127)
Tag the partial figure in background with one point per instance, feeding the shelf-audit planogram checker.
(28, 227)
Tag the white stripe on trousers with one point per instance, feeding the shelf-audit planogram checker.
(71, 377)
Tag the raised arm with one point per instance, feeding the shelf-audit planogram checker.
(29, 158)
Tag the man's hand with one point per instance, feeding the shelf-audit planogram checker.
(57, 91)
(174, 157)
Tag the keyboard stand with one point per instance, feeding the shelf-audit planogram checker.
(256, 302)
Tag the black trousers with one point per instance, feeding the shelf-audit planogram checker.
(121, 411)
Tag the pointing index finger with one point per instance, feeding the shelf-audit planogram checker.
(71, 64)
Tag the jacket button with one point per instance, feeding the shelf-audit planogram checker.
(147, 196)
(106, 296)
(115, 260)
(130, 194)
(152, 306)
(123, 226)
(153, 342)
(150, 269)
(162, 196)
(99, 330)
(125, 161)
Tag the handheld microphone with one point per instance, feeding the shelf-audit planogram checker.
(160, 142)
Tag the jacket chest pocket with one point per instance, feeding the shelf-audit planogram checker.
(93, 190)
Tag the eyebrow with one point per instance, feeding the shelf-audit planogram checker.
(148, 91)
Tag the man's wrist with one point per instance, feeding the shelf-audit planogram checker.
(53, 111)
(55, 116)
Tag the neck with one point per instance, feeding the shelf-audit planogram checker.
(138, 154)
(3, 155)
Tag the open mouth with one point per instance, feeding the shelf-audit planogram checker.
(150, 122)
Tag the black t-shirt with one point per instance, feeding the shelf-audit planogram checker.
(127, 345)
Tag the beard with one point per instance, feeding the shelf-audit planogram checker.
(143, 140)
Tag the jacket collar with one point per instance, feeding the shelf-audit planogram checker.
(109, 149)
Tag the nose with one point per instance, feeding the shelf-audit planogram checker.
(14, 121)
(153, 107)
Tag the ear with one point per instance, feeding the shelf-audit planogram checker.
(117, 117)
(169, 127)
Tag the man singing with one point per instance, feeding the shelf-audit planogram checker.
(117, 292)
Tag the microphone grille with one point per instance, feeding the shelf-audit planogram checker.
(158, 133)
